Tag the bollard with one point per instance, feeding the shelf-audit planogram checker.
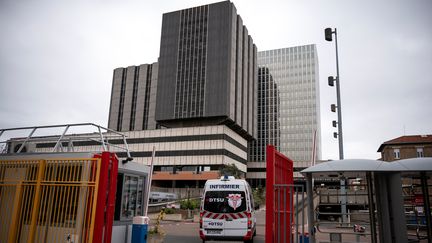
(140, 229)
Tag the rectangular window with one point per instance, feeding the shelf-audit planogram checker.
(420, 153)
(129, 198)
(218, 201)
(396, 153)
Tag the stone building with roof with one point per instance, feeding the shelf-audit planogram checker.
(404, 147)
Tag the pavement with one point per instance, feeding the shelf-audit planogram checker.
(187, 231)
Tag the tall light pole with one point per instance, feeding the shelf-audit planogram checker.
(328, 36)
(331, 80)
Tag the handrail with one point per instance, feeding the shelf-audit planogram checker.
(101, 135)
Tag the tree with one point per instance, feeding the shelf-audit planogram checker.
(230, 170)
(258, 194)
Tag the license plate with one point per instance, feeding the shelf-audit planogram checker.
(214, 231)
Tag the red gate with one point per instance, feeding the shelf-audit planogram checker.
(279, 196)
(106, 198)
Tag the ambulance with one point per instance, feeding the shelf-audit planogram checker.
(227, 210)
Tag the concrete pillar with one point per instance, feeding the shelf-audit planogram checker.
(371, 207)
(390, 208)
(425, 190)
(310, 208)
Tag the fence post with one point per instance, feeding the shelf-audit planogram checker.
(97, 229)
(270, 194)
(311, 211)
(15, 213)
(36, 202)
(279, 177)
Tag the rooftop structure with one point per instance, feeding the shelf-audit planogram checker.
(412, 146)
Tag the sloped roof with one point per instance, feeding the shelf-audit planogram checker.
(414, 164)
(352, 167)
(411, 139)
(347, 168)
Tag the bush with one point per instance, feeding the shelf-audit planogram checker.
(169, 211)
(230, 170)
(258, 195)
(190, 204)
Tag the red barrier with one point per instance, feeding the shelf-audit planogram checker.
(106, 198)
(111, 197)
(279, 172)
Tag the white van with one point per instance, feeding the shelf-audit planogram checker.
(227, 210)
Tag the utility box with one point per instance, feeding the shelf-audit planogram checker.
(140, 229)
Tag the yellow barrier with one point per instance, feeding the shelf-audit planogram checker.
(52, 200)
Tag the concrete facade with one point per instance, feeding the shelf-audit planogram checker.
(405, 147)
(133, 97)
(205, 79)
(186, 154)
(208, 71)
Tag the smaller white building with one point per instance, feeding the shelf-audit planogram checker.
(184, 157)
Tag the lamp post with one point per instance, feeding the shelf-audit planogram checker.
(331, 80)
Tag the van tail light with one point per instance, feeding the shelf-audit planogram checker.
(202, 236)
(201, 219)
(249, 221)
(248, 235)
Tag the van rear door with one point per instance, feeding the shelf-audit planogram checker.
(226, 212)
(236, 219)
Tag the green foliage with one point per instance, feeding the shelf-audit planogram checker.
(258, 195)
(169, 211)
(230, 170)
(190, 204)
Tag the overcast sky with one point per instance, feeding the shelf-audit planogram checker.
(57, 59)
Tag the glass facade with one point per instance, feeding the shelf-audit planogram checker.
(268, 116)
(295, 73)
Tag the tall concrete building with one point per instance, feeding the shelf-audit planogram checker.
(207, 70)
(201, 94)
(133, 98)
(294, 70)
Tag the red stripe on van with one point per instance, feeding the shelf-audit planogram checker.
(207, 214)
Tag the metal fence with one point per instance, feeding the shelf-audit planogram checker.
(279, 196)
(289, 219)
(49, 200)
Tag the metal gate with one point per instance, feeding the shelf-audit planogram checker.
(52, 200)
(290, 222)
(282, 197)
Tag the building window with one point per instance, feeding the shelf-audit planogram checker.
(420, 152)
(129, 198)
(396, 153)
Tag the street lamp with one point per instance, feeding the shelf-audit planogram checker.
(328, 32)
(331, 81)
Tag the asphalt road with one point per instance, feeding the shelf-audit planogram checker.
(187, 232)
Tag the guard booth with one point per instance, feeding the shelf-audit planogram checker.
(69, 188)
(397, 195)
